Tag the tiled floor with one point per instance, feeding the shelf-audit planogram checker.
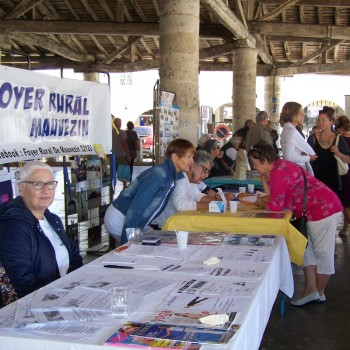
(317, 326)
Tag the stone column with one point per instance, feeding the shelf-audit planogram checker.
(91, 76)
(179, 60)
(244, 86)
(272, 102)
(272, 97)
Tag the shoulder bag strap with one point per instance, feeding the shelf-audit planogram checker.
(304, 203)
(337, 140)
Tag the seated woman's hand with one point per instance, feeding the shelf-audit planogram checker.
(229, 196)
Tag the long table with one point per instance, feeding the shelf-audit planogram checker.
(226, 180)
(244, 221)
(276, 275)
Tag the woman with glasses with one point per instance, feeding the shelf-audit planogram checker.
(35, 249)
(187, 195)
(325, 166)
(284, 182)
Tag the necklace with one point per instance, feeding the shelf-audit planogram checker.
(325, 140)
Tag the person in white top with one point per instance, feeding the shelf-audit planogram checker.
(187, 195)
(293, 145)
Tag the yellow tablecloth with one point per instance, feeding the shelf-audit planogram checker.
(199, 220)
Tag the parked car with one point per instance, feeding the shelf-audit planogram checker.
(145, 133)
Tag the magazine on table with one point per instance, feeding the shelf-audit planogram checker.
(255, 240)
(178, 333)
(122, 339)
(188, 319)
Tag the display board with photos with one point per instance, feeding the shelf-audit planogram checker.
(168, 120)
(87, 198)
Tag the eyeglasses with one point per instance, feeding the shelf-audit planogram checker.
(216, 147)
(39, 185)
(205, 170)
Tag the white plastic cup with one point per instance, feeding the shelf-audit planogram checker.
(120, 301)
(133, 234)
(233, 206)
(182, 238)
(251, 188)
(242, 189)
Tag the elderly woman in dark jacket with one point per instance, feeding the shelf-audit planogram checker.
(35, 249)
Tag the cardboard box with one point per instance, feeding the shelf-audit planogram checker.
(217, 207)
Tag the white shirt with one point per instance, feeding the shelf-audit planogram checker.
(232, 153)
(293, 144)
(185, 197)
(61, 251)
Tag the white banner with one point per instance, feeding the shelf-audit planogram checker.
(43, 116)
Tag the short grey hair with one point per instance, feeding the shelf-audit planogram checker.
(235, 139)
(262, 115)
(203, 139)
(201, 157)
(31, 166)
(210, 145)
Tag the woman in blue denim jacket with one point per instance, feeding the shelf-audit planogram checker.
(148, 194)
(35, 249)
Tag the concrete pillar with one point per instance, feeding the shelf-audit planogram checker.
(347, 105)
(272, 97)
(179, 60)
(91, 76)
(244, 86)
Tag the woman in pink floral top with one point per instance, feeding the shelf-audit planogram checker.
(284, 182)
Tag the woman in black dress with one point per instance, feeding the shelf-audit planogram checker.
(323, 143)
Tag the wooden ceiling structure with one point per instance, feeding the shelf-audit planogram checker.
(291, 36)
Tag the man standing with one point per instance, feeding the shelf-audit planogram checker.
(242, 132)
(119, 145)
(259, 132)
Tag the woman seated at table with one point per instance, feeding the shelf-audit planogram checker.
(35, 249)
(187, 195)
(148, 194)
(284, 181)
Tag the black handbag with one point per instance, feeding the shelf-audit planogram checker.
(300, 223)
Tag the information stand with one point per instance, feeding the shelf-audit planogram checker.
(88, 192)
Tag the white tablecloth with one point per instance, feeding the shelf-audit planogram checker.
(253, 318)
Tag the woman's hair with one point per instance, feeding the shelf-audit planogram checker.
(130, 125)
(342, 122)
(210, 145)
(328, 111)
(289, 110)
(201, 157)
(202, 140)
(263, 151)
(179, 147)
(31, 166)
(262, 115)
